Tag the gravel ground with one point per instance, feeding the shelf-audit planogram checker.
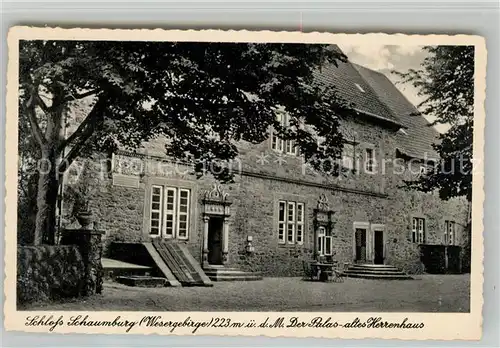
(428, 293)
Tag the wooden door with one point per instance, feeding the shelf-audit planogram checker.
(215, 225)
(360, 240)
(378, 245)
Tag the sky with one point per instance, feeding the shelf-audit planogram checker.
(385, 59)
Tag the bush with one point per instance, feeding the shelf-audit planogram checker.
(48, 273)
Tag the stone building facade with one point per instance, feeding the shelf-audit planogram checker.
(278, 211)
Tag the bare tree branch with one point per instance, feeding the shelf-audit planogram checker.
(35, 127)
(77, 133)
(93, 120)
(42, 104)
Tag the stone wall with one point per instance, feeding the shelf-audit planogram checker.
(48, 272)
(262, 178)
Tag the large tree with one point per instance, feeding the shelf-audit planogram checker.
(204, 96)
(445, 81)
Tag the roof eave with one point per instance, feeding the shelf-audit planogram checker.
(415, 156)
(385, 119)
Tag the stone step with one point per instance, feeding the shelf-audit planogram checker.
(142, 281)
(364, 271)
(225, 269)
(231, 274)
(378, 276)
(246, 277)
(371, 266)
(228, 272)
(372, 271)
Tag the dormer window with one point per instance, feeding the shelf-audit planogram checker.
(359, 87)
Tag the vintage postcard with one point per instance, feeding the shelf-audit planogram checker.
(244, 183)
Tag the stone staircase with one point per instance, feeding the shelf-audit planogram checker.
(370, 271)
(221, 273)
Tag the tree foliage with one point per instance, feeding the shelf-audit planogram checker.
(446, 83)
(205, 97)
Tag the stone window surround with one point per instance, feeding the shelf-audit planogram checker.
(170, 182)
(410, 227)
(281, 196)
(295, 222)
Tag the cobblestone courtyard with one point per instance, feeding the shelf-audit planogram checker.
(427, 293)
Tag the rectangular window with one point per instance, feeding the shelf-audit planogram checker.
(321, 240)
(156, 208)
(290, 231)
(170, 215)
(285, 146)
(300, 223)
(281, 222)
(369, 160)
(324, 242)
(418, 230)
(277, 143)
(348, 156)
(183, 214)
(449, 232)
(290, 222)
(170, 208)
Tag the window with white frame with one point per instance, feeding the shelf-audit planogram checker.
(290, 222)
(449, 232)
(169, 212)
(369, 160)
(324, 243)
(285, 146)
(418, 230)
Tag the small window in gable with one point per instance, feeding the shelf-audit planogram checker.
(285, 146)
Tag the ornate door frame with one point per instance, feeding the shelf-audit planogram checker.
(216, 203)
(323, 217)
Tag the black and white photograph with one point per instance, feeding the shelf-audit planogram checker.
(171, 175)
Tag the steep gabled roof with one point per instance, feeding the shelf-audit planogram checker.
(416, 139)
(351, 86)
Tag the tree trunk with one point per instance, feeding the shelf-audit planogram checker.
(46, 199)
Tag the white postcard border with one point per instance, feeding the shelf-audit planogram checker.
(438, 326)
